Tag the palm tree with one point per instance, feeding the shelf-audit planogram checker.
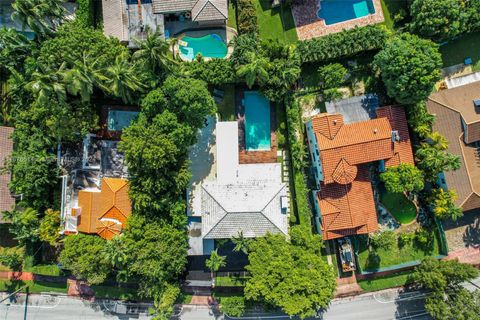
(41, 16)
(45, 83)
(255, 70)
(123, 79)
(154, 52)
(173, 44)
(214, 263)
(241, 243)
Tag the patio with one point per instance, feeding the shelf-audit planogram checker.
(309, 25)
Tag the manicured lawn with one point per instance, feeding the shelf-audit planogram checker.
(227, 107)
(455, 51)
(372, 260)
(385, 282)
(122, 293)
(47, 270)
(230, 281)
(275, 23)
(399, 206)
(34, 286)
(232, 22)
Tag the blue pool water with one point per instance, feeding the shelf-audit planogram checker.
(257, 121)
(118, 119)
(335, 11)
(210, 46)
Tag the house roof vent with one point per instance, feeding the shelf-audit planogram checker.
(476, 103)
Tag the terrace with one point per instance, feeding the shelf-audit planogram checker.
(309, 25)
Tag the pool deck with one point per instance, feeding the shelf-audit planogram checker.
(246, 157)
(309, 25)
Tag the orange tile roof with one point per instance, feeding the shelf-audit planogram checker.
(104, 212)
(355, 143)
(348, 209)
(403, 147)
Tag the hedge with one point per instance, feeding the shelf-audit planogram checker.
(85, 13)
(214, 71)
(297, 153)
(247, 17)
(343, 44)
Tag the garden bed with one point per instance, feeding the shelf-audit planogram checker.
(397, 204)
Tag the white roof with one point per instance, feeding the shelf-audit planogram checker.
(227, 148)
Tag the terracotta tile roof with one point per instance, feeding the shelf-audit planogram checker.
(348, 209)
(7, 202)
(111, 204)
(403, 147)
(356, 143)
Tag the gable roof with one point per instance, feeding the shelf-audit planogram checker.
(7, 202)
(115, 20)
(253, 209)
(202, 10)
(348, 209)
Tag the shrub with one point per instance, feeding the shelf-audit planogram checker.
(405, 238)
(343, 44)
(233, 306)
(11, 258)
(424, 238)
(247, 17)
(214, 71)
(383, 240)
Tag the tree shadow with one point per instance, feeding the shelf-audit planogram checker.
(471, 237)
(373, 261)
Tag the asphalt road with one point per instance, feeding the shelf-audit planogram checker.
(385, 305)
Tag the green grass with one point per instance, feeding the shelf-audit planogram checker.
(455, 51)
(231, 281)
(227, 107)
(184, 298)
(403, 210)
(276, 23)
(122, 293)
(232, 21)
(390, 281)
(381, 258)
(47, 270)
(34, 286)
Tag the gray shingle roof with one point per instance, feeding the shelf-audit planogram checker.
(6, 147)
(115, 20)
(253, 209)
(202, 10)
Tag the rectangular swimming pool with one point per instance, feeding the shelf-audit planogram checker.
(119, 119)
(335, 11)
(257, 121)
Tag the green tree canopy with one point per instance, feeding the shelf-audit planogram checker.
(448, 300)
(288, 276)
(24, 225)
(410, 67)
(156, 253)
(50, 227)
(403, 178)
(41, 16)
(436, 19)
(443, 203)
(84, 255)
(432, 161)
(332, 75)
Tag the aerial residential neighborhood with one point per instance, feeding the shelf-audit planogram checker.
(240, 159)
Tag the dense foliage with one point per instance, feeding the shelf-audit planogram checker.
(85, 257)
(23, 225)
(41, 16)
(233, 306)
(410, 67)
(448, 300)
(403, 178)
(343, 44)
(85, 13)
(289, 276)
(247, 17)
(49, 230)
(443, 203)
(214, 71)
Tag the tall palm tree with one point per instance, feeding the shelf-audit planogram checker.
(214, 263)
(241, 243)
(123, 79)
(255, 70)
(41, 16)
(45, 82)
(153, 52)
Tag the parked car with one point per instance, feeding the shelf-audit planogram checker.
(347, 257)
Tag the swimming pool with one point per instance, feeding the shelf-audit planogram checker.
(335, 11)
(118, 119)
(257, 121)
(209, 46)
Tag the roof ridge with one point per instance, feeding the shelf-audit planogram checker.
(215, 200)
(268, 203)
(213, 4)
